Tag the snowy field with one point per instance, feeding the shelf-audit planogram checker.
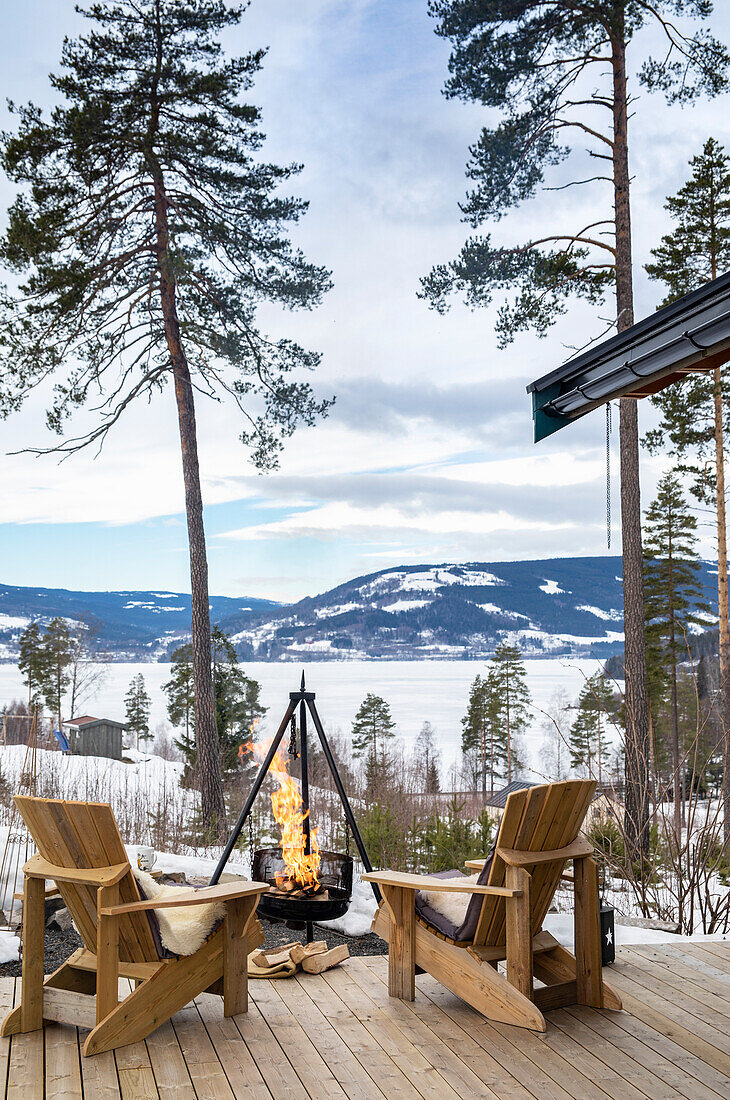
(417, 691)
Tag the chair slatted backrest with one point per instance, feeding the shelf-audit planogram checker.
(538, 819)
(85, 835)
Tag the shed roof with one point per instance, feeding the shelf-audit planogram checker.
(692, 334)
(85, 721)
(499, 798)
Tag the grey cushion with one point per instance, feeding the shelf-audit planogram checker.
(466, 931)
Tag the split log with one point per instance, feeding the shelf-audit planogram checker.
(316, 964)
(302, 951)
(275, 955)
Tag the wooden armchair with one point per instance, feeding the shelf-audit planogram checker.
(80, 849)
(538, 834)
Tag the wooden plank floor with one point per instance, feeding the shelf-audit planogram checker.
(339, 1035)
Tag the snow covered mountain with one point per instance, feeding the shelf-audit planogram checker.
(547, 607)
(550, 606)
(128, 625)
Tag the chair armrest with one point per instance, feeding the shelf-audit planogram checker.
(38, 867)
(515, 857)
(227, 891)
(438, 885)
(475, 864)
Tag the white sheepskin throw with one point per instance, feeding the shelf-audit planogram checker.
(182, 930)
(451, 906)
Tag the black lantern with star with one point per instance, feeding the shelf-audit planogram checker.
(608, 942)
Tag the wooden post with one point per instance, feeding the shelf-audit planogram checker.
(235, 954)
(401, 942)
(589, 975)
(107, 953)
(34, 919)
(519, 931)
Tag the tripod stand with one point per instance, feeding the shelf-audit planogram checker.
(305, 701)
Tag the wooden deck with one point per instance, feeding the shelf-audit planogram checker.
(339, 1035)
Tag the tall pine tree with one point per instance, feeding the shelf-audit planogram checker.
(180, 693)
(695, 415)
(554, 77)
(589, 742)
(372, 731)
(238, 706)
(138, 706)
(477, 733)
(673, 600)
(145, 235)
(31, 662)
(511, 709)
(57, 663)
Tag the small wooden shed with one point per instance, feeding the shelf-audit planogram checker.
(88, 736)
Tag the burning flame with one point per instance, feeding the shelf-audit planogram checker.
(286, 802)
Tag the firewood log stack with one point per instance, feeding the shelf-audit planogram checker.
(282, 962)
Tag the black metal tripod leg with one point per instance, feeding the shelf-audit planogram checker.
(252, 794)
(342, 793)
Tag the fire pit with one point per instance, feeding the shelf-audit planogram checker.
(289, 901)
(307, 884)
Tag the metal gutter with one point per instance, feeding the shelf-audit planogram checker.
(692, 334)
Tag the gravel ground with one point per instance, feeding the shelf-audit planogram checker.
(275, 934)
(59, 945)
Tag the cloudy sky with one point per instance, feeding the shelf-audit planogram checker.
(427, 454)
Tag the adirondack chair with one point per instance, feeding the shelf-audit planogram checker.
(538, 834)
(80, 849)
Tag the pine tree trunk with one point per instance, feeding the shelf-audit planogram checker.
(213, 807)
(637, 718)
(722, 602)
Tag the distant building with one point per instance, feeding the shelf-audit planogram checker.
(495, 803)
(88, 736)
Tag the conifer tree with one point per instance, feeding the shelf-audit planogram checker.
(673, 602)
(589, 742)
(510, 708)
(372, 731)
(138, 705)
(237, 706)
(180, 694)
(31, 661)
(477, 732)
(695, 413)
(146, 234)
(554, 77)
(57, 662)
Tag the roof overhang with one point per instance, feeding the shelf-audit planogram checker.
(690, 335)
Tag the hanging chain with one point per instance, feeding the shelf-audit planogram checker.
(293, 737)
(250, 842)
(608, 474)
(347, 836)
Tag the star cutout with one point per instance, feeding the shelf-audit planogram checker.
(609, 936)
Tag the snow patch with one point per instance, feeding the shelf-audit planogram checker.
(613, 616)
(13, 622)
(9, 947)
(551, 588)
(405, 605)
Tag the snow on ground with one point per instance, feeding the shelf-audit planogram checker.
(561, 926)
(9, 947)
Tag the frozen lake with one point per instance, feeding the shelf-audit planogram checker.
(417, 691)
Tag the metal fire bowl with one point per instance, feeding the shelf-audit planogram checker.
(335, 874)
